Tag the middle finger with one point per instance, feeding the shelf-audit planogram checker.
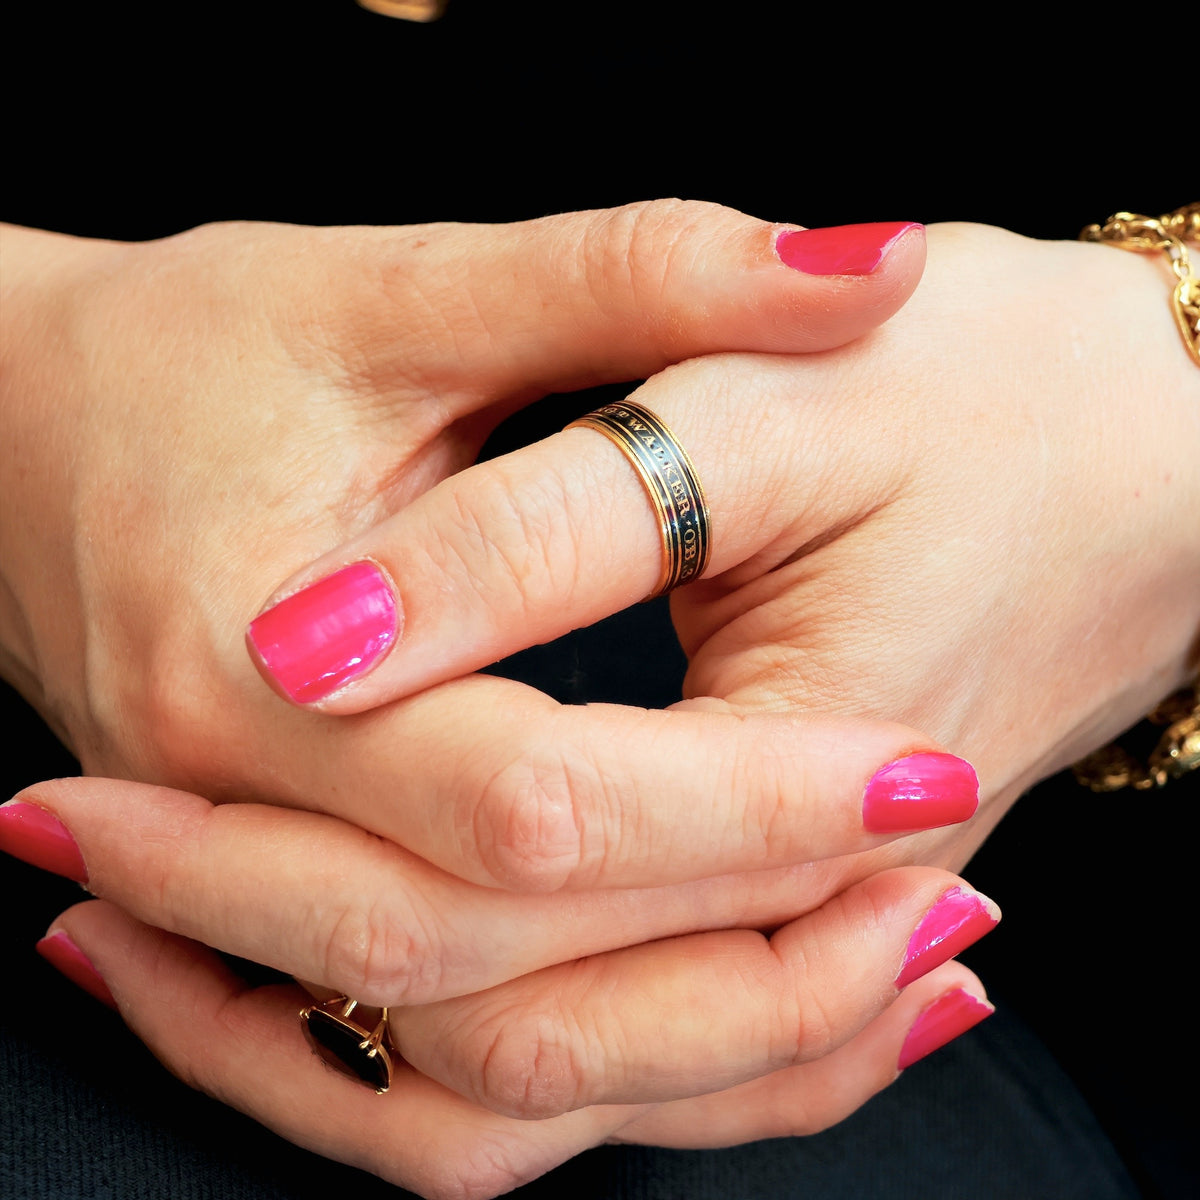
(323, 900)
(500, 785)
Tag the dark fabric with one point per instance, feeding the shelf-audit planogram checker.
(137, 120)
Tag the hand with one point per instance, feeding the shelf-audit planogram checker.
(395, 351)
(132, 665)
(186, 420)
(978, 522)
(700, 1040)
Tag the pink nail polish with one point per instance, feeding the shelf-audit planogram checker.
(841, 249)
(943, 1021)
(38, 837)
(922, 791)
(959, 918)
(327, 634)
(62, 954)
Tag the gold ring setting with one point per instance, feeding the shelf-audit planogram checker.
(362, 1053)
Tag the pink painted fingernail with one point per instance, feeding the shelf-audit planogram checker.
(62, 954)
(841, 249)
(943, 1021)
(922, 791)
(327, 634)
(959, 918)
(39, 838)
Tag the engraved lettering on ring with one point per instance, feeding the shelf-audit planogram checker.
(670, 481)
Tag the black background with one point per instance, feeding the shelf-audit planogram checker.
(138, 120)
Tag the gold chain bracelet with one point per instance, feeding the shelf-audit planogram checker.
(1114, 766)
(1169, 233)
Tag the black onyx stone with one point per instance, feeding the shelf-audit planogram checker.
(340, 1045)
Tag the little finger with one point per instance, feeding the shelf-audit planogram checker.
(803, 1100)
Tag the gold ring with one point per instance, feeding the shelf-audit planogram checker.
(670, 481)
(363, 1054)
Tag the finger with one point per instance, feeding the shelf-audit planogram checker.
(807, 1099)
(544, 796)
(522, 549)
(244, 1046)
(323, 900)
(698, 1014)
(547, 797)
(574, 299)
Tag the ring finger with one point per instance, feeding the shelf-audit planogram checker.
(696, 1014)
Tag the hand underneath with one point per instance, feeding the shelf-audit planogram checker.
(698, 1040)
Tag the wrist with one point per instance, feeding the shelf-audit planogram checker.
(43, 287)
(1165, 372)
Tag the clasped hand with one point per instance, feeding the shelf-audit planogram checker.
(230, 415)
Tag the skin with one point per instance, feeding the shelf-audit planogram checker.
(125, 388)
(909, 512)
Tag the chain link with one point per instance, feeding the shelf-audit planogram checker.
(1114, 766)
(1169, 233)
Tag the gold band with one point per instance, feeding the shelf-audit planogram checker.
(670, 481)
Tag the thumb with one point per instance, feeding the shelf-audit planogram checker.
(612, 295)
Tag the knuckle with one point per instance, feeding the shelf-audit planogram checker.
(529, 1066)
(485, 1165)
(813, 1025)
(808, 997)
(382, 956)
(507, 539)
(159, 723)
(526, 825)
(636, 247)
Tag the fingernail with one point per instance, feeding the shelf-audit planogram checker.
(943, 1021)
(841, 249)
(922, 791)
(327, 634)
(62, 954)
(39, 838)
(959, 918)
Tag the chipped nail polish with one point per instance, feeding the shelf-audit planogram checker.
(959, 918)
(942, 1021)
